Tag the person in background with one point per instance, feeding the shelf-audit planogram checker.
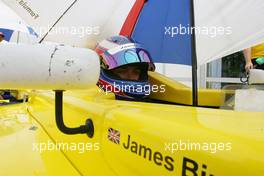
(8, 95)
(254, 57)
(5, 94)
(2, 37)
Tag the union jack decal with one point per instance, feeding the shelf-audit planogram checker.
(114, 135)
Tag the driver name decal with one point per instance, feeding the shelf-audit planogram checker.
(188, 166)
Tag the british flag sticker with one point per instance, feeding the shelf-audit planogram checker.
(114, 135)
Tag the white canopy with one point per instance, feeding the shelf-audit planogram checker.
(85, 22)
(243, 18)
(241, 21)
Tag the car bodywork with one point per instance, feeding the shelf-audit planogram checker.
(130, 138)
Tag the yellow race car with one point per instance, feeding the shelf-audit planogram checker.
(181, 131)
(130, 138)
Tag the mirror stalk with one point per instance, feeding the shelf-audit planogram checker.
(88, 128)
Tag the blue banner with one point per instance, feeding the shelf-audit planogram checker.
(163, 28)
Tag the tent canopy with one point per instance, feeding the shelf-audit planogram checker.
(223, 26)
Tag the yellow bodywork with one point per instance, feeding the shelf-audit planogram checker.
(152, 136)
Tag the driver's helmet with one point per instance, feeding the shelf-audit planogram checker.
(122, 52)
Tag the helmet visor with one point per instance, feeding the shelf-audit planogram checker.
(126, 54)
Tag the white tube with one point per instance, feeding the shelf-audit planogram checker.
(47, 66)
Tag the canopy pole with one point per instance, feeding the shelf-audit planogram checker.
(194, 56)
(58, 20)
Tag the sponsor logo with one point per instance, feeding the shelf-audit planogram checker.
(123, 47)
(26, 6)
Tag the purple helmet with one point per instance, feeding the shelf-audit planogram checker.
(122, 52)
